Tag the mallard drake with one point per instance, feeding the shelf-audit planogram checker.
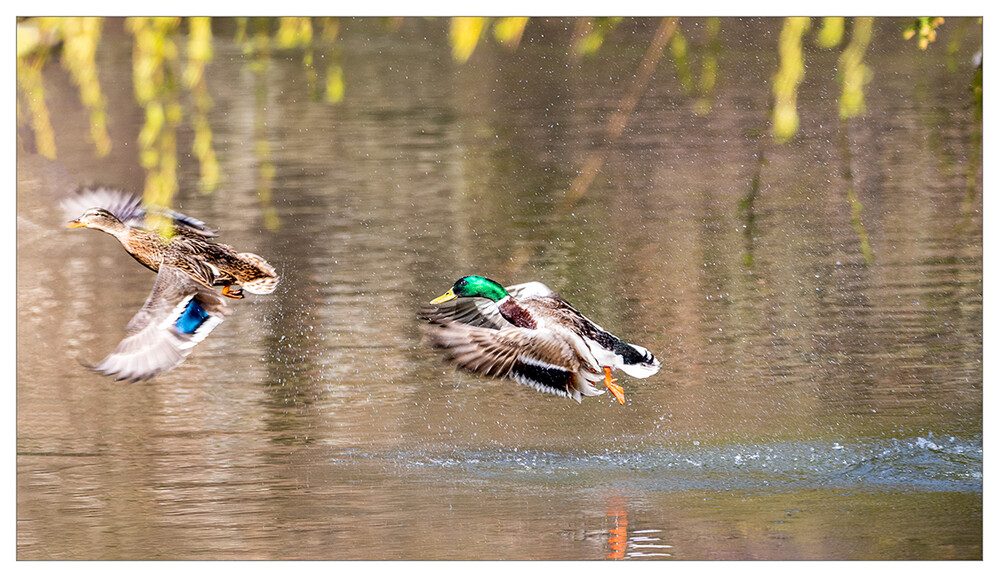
(182, 307)
(530, 334)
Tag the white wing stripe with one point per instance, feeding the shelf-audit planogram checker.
(175, 313)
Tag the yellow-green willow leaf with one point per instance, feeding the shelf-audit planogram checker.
(329, 28)
(240, 36)
(199, 50)
(335, 86)
(464, 36)
(832, 31)
(152, 47)
(854, 74)
(926, 27)
(709, 67)
(29, 39)
(155, 119)
(856, 210)
(294, 31)
(79, 57)
(29, 79)
(265, 186)
(678, 50)
(174, 112)
(589, 43)
(509, 30)
(155, 70)
(199, 53)
(790, 74)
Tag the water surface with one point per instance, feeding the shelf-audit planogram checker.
(812, 404)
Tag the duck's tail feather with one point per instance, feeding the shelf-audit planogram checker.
(641, 365)
(268, 279)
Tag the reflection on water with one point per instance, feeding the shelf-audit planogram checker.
(814, 403)
(617, 540)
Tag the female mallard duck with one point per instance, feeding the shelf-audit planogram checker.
(182, 307)
(528, 333)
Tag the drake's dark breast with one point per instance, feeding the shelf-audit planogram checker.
(517, 315)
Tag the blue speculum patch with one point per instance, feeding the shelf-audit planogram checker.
(192, 318)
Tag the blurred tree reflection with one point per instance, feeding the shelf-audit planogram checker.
(926, 28)
(172, 91)
(155, 64)
(831, 33)
(199, 53)
(788, 77)
(78, 38)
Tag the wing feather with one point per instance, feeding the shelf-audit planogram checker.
(156, 339)
(538, 358)
(129, 209)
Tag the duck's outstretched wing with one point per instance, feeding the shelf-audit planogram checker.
(482, 312)
(540, 359)
(178, 314)
(468, 311)
(129, 209)
(124, 206)
(531, 289)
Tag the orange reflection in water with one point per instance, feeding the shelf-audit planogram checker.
(617, 539)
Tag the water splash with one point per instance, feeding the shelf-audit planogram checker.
(923, 463)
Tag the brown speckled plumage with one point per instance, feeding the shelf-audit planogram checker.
(530, 334)
(183, 306)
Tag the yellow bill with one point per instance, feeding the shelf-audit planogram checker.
(449, 295)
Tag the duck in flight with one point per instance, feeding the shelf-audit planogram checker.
(530, 334)
(183, 306)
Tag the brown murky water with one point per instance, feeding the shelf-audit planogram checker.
(811, 405)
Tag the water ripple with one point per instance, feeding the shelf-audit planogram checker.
(923, 463)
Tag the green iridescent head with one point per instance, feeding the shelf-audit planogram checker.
(473, 286)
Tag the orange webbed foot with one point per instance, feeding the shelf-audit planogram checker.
(612, 386)
(232, 291)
